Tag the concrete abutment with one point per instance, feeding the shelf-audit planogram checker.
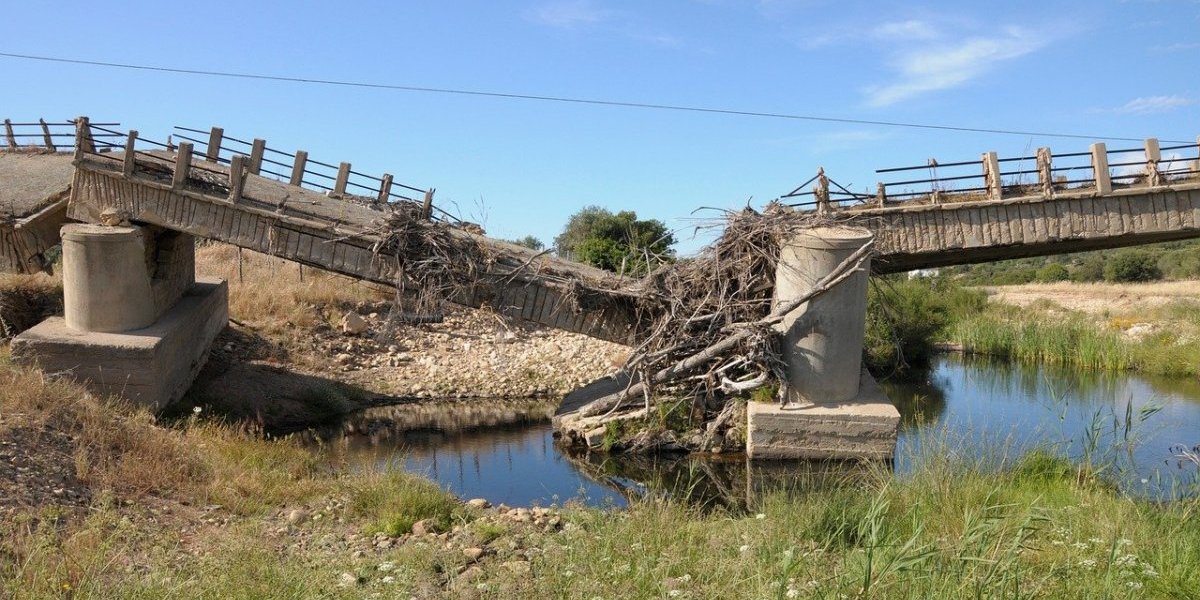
(137, 323)
(832, 407)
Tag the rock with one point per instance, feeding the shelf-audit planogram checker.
(297, 516)
(595, 437)
(471, 573)
(478, 503)
(343, 358)
(347, 579)
(423, 527)
(517, 567)
(352, 324)
(472, 553)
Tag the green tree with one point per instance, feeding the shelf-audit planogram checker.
(1090, 268)
(1132, 265)
(617, 242)
(1052, 272)
(529, 242)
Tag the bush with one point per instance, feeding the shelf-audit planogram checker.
(1131, 266)
(1052, 272)
(1089, 269)
(906, 317)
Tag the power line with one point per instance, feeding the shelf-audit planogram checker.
(565, 99)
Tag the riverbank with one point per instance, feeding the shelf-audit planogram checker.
(1150, 328)
(99, 502)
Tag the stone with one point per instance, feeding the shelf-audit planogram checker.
(479, 503)
(423, 527)
(297, 516)
(517, 567)
(347, 579)
(472, 553)
(353, 324)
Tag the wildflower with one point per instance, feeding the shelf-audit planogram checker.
(1133, 585)
(743, 547)
(1057, 542)
(674, 593)
(760, 516)
(1095, 540)
(196, 410)
(568, 573)
(387, 566)
(1087, 563)
(1080, 545)
(1124, 542)
(388, 579)
(793, 593)
(1148, 570)
(686, 578)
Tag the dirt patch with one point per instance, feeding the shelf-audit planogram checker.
(1098, 298)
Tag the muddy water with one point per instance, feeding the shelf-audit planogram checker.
(504, 450)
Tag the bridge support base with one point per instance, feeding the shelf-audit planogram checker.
(832, 408)
(137, 323)
(863, 427)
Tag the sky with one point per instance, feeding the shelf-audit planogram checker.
(522, 167)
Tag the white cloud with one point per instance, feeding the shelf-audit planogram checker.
(950, 65)
(568, 14)
(1153, 104)
(906, 31)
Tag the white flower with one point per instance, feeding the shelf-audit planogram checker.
(568, 573)
(388, 579)
(1133, 585)
(387, 566)
(196, 410)
(1087, 563)
(760, 516)
(1079, 545)
(793, 593)
(743, 547)
(674, 593)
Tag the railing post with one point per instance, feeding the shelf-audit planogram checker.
(385, 188)
(9, 135)
(881, 194)
(991, 175)
(1100, 168)
(130, 153)
(1153, 157)
(83, 137)
(1045, 170)
(183, 165)
(343, 177)
(427, 207)
(46, 137)
(214, 144)
(257, 149)
(821, 191)
(237, 177)
(298, 168)
(1196, 164)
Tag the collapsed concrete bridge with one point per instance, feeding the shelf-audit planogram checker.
(138, 323)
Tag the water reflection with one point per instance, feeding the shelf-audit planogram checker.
(504, 450)
(994, 410)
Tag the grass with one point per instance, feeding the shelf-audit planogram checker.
(1044, 333)
(954, 527)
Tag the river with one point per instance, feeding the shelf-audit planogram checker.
(504, 450)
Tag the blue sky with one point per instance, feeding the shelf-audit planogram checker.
(1126, 69)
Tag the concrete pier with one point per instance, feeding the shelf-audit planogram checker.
(833, 409)
(137, 324)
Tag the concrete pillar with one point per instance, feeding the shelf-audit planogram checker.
(106, 283)
(823, 338)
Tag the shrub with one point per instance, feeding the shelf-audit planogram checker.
(1052, 272)
(1131, 266)
(905, 317)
